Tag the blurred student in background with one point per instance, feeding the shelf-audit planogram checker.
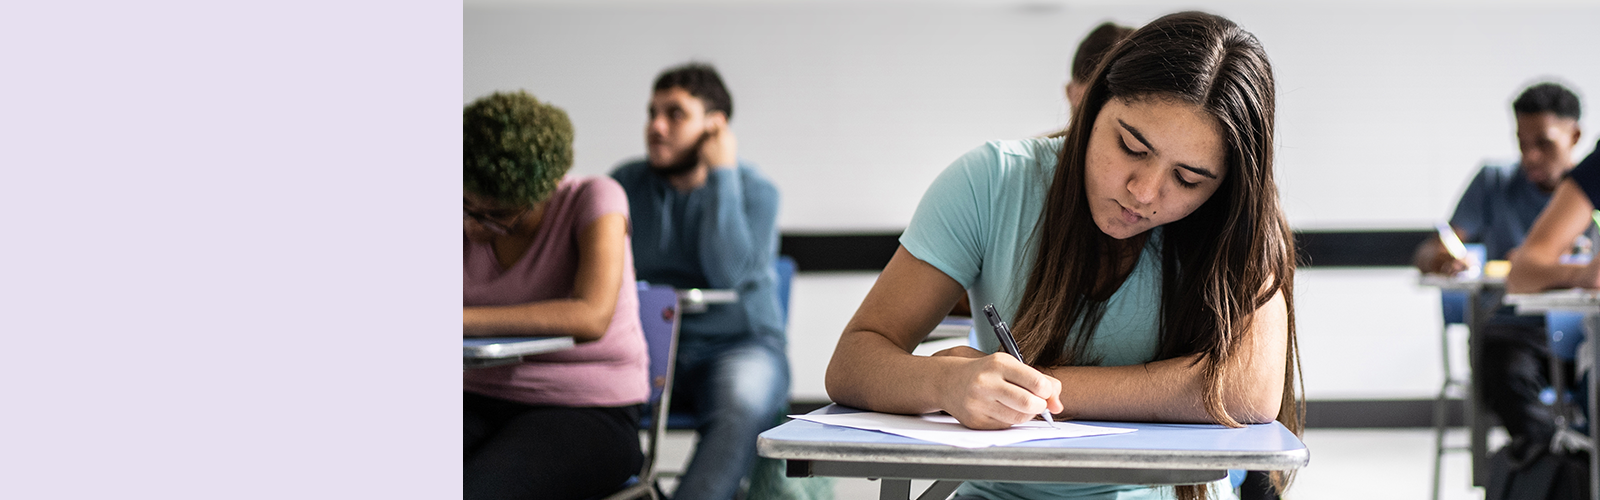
(704, 218)
(1498, 209)
(1090, 51)
(547, 254)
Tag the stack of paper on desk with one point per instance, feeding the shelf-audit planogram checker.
(944, 429)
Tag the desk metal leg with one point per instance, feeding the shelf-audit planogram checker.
(1477, 426)
(1591, 321)
(939, 490)
(900, 489)
(894, 489)
(1478, 437)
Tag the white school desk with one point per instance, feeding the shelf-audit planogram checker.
(696, 300)
(1580, 301)
(951, 327)
(485, 352)
(1155, 454)
(1476, 417)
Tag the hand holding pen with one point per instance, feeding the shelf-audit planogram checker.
(1009, 345)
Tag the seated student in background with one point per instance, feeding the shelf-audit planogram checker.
(1497, 210)
(1537, 266)
(1142, 260)
(704, 218)
(1502, 201)
(1093, 47)
(547, 254)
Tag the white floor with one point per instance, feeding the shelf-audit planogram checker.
(1345, 464)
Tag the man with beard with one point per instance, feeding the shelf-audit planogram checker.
(703, 218)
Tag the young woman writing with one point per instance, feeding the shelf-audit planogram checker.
(1142, 258)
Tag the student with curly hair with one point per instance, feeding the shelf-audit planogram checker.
(1143, 258)
(547, 254)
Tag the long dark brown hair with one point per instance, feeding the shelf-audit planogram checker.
(1220, 263)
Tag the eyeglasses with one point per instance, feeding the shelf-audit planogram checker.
(490, 219)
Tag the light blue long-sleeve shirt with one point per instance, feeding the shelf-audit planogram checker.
(722, 235)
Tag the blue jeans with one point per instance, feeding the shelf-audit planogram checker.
(737, 390)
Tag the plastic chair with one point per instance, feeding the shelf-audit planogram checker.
(1453, 303)
(658, 314)
(785, 268)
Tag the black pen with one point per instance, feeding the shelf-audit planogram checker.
(1009, 345)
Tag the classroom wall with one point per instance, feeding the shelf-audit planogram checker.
(1384, 111)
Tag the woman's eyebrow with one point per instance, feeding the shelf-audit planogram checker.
(1203, 172)
(1136, 135)
(1140, 137)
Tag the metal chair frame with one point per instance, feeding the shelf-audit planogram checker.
(644, 484)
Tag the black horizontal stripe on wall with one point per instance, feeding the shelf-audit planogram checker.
(839, 252)
(871, 251)
(1358, 248)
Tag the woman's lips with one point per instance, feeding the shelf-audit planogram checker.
(1128, 216)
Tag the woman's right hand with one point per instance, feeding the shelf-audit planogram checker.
(873, 367)
(995, 391)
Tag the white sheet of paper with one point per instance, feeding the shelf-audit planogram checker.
(944, 429)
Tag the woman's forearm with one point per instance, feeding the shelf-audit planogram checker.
(1173, 390)
(1169, 390)
(573, 317)
(1536, 265)
(1534, 275)
(587, 314)
(870, 372)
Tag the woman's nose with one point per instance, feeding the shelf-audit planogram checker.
(1144, 186)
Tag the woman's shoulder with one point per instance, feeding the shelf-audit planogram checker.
(589, 184)
(1011, 158)
(591, 190)
(1037, 149)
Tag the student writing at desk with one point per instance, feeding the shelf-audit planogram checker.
(1142, 259)
(1498, 208)
(547, 254)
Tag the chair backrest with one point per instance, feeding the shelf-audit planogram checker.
(1566, 332)
(785, 267)
(1454, 305)
(658, 313)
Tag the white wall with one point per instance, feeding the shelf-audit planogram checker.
(1385, 109)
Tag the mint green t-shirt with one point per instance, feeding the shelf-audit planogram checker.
(975, 224)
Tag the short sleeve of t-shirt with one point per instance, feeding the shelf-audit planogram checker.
(595, 197)
(1470, 215)
(947, 230)
(1587, 175)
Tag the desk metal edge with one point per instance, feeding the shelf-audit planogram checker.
(1021, 456)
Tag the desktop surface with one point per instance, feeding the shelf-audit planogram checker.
(1152, 446)
(505, 347)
